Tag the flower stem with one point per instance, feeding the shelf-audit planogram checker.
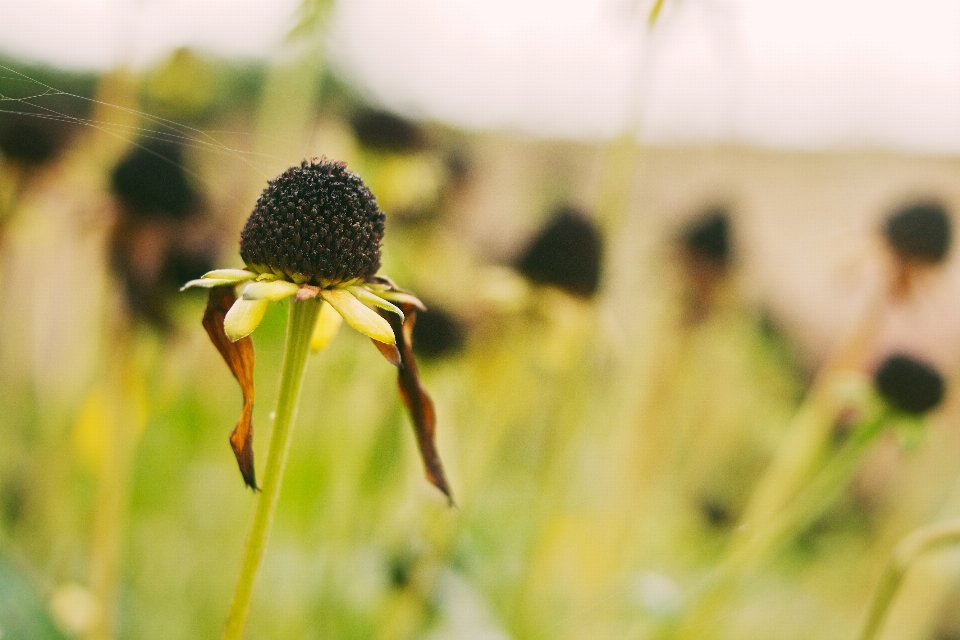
(303, 316)
(907, 550)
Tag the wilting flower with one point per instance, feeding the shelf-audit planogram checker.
(315, 233)
(919, 236)
(158, 240)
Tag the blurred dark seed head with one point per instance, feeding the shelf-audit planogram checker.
(708, 237)
(383, 131)
(567, 253)
(31, 141)
(920, 232)
(909, 385)
(399, 569)
(437, 333)
(317, 221)
(716, 512)
(151, 182)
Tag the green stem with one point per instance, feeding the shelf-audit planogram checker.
(762, 539)
(902, 558)
(303, 316)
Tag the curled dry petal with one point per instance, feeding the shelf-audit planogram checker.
(416, 398)
(239, 357)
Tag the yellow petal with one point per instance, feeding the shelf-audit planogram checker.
(234, 275)
(272, 290)
(368, 297)
(206, 283)
(402, 298)
(244, 316)
(359, 316)
(328, 323)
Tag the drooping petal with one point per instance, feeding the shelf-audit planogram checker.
(244, 316)
(358, 315)
(367, 297)
(402, 297)
(328, 323)
(233, 275)
(206, 283)
(238, 354)
(270, 290)
(389, 352)
(417, 400)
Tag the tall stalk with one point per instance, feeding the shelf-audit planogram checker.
(302, 317)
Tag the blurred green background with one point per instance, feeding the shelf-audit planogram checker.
(602, 442)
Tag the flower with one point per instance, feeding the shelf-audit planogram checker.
(315, 233)
(909, 385)
(566, 254)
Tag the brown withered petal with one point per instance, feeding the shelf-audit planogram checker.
(415, 397)
(239, 357)
(388, 351)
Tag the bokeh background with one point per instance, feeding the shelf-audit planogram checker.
(643, 233)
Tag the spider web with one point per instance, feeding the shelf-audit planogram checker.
(24, 94)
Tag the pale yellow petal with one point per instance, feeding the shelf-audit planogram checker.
(272, 290)
(359, 316)
(370, 298)
(206, 283)
(235, 275)
(244, 316)
(402, 298)
(328, 323)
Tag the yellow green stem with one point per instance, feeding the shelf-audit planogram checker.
(904, 554)
(303, 316)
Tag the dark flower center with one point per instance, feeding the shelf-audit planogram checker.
(920, 232)
(566, 254)
(709, 237)
(315, 223)
(152, 183)
(909, 385)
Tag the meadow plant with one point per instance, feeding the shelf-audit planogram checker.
(313, 237)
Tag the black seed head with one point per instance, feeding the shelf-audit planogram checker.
(151, 182)
(384, 131)
(708, 238)
(920, 232)
(315, 223)
(909, 385)
(566, 253)
(31, 141)
(437, 333)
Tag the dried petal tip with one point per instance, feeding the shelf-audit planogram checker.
(909, 385)
(708, 238)
(567, 254)
(920, 232)
(316, 224)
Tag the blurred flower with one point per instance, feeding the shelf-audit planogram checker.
(315, 232)
(919, 232)
(909, 385)
(157, 241)
(438, 333)
(919, 236)
(31, 141)
(567, 253)
(383, 131)
(705, 254)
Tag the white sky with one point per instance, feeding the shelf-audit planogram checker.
(793, 73)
